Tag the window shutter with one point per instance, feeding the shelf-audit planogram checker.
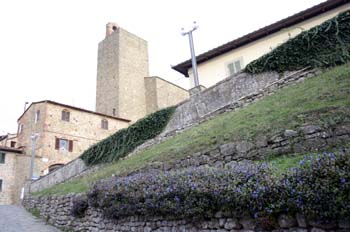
(70, 146)
(57, 144)
(231, 69)
(67, 116)
(237, 66)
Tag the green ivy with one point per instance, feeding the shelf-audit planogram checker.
(322, 46)
(126, 140)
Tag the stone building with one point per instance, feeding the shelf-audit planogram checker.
(8, 173)
(161, 93)
(62, 132)
(124, 88)
(8, 140)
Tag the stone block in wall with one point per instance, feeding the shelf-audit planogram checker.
(286, 221)
(301, 220)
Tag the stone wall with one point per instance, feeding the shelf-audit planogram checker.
(57, 211)
(60, 175)
(7, 176)
(160, 94)
(308, 138)
(231, 93)
(228, 95)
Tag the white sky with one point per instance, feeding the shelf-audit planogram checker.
(48, 49)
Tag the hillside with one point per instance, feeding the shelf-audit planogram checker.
(323, 101)
(255, 152)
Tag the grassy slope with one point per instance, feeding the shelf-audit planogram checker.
(320, 100)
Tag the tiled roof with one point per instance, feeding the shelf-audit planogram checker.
(75, 108)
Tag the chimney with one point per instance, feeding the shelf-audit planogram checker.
(110, 28)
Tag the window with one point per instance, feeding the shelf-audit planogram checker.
(65, 115)
(104, 124)
(13, 144)
(20, 128)
(0, 185)
(114, 112)
(37, 116)
(2, 158)
(64, 145)
(234, 67)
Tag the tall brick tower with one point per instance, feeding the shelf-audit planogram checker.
(122, 67)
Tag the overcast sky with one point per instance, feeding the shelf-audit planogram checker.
(48, 49)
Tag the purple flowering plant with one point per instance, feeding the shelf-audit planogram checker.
(318, 187)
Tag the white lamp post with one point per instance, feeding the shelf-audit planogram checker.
(193, 56)
(33, 137)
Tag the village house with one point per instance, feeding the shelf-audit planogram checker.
(230, 58)
(9, 157)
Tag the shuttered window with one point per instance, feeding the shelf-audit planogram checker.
(104, 124)
(0, 185)
(64, 144)
(65, 115)
(2, 157)
(37, 116)
(20, 128)
(234, 67)
(13, 143)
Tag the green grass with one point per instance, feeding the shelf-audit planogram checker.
(35, 212)
(323, 100)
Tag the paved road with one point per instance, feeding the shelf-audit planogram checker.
(16, 219)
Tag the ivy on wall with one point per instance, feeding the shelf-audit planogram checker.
(322, 46)
(126, 140)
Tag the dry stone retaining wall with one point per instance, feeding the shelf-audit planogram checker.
(228, 95)
(308, 138)
(235, 91)
(72, 169)
(56, 210)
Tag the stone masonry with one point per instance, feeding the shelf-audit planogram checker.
(57, 211)
(124, 88)
(160, 94)
(8, 174)
(122, 66)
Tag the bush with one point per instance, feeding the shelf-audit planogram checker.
(319, 187)
(323, 46)
(80, 205)
(194, 192)
(126, 140)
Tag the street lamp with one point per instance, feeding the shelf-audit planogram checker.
(193, 56)
(33, 138)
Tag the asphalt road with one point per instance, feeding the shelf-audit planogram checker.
(17, 219)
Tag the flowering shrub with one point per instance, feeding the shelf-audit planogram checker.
(319, 186)
(80, 205)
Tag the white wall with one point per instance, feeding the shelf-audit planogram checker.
(214, 70)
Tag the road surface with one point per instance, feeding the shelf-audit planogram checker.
(16, 219)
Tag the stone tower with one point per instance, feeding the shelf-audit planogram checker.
(122, 67)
